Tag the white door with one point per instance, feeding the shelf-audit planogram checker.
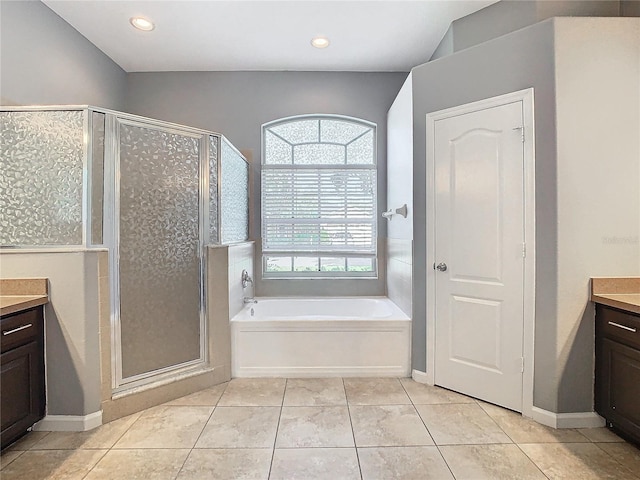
(479, 250)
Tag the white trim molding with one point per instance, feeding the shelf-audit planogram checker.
(420, 377)
(526, 97)
(321, 372)
(69, 423)
(566, 420)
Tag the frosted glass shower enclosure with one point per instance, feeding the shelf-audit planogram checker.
(153, 193)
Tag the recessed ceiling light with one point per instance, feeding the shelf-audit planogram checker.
(142, 23)
(320, 42)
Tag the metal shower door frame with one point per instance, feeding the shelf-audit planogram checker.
(113, 120)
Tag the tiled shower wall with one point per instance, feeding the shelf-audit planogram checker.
(399, 273)
(240, 258)
(400, 192)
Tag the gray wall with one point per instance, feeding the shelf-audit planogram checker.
(238, 103)
(513, 62)
(45, 61)
(510, 15)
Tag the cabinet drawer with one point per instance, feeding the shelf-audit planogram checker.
(620, 325)
(20, 328)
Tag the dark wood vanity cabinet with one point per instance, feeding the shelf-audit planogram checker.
(22, 374)
(617, 375)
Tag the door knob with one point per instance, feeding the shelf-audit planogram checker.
(441, 267)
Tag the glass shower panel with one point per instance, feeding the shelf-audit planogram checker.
(41, 181)
(234, 195)
(160, 271)
(213, 190)
(97, 176)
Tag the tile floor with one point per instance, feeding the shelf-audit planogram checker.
(337, 429)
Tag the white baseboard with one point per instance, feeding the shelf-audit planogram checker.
(319, 372)
(567, 420)
(69, 423)
(420, 377)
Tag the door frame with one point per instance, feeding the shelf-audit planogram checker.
(526, 97)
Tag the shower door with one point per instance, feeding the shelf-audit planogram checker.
(159, 260)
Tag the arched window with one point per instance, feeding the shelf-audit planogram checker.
(319, 197)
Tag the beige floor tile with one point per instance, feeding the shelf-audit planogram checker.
(571, 461)
(102, 437)
(625, 453)
(166, 427)
(428, 394)
(52, 465)
(253, 392)
(600, 435)
(143, 464)
(375, 391)
(307, 392)
(525, 430)
(388, 426)
(27, 442)
(207, 398)
(7, 457)
(240, 427)
(315, 463)
(455, 424)
(314, 427)
(490, 462)
(227, 464)
(403, 463)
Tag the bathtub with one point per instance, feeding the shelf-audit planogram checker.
(320, 337)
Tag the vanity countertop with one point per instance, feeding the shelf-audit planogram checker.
(617, 292)
(17, 294)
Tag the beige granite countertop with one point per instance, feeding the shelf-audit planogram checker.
(617, 292)
(15, 303)
(18, 294)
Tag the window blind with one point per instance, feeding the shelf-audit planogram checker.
(319, 210)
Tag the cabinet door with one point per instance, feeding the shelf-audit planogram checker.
(618, 386)
(21, 390)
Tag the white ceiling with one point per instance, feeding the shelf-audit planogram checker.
(222, 35)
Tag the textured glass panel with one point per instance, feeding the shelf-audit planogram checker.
(361, 151)
(97, 177)
(159, 249)
(277, 151)
(318, 154)
(41, 180)
(213, 190)
(298, 131)
(338, 131)
(234, 196)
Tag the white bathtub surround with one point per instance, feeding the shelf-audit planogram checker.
(240, 259)
(400, 272)
(321, 337)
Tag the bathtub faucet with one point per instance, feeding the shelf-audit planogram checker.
(249, 300)
(246, 279)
